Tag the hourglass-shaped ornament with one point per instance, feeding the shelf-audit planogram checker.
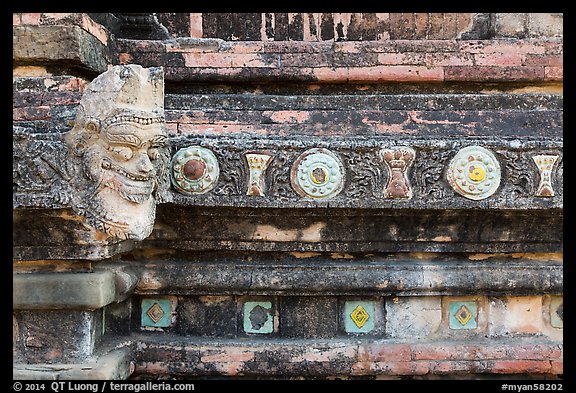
(545, 163)
(397, 160)
(257, 164)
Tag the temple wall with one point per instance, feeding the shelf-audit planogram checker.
(351, 196)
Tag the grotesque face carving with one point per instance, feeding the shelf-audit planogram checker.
(120, 144)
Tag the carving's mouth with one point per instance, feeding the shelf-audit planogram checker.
(106, 164)
(132, 187)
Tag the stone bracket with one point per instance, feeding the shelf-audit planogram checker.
(43, 291)
(115, 365)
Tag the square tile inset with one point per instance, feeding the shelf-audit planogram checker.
(258, 317)
(463, 315)
(156, 312)
(358, 316)
(557, 311)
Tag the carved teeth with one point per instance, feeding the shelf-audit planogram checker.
(109, 166)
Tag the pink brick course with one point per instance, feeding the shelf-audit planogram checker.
(377, 357)
(423, 60)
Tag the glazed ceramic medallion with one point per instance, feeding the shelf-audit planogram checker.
(317, 173)
(195, 170)
(474, 173)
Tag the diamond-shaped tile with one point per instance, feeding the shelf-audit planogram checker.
(258, 317)
(463, 315)
(557, 311)
(359, 316)
(156, 312)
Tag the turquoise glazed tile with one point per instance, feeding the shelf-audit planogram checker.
(156, 312)
(358, 316)
(258, 317)
(557, 311)
(463, 315)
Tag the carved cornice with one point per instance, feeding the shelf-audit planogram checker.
(40, 173)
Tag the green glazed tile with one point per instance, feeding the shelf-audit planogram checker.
(557, 311)
(156, 312)
(358, 316)
(258, 317)
(463, 315)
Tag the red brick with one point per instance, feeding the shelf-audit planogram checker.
(403, 368)
(479, 352)
(557, 367)
(227, 354)
(495, 46)
(520, 366)
(196, 25)
(225, 60)
(493, 74)
(534, 352)
(125, 58)
(245, 47)
(407, 58)
(328, 74)
(545, 60)
(386, 352)
(448, 59)
(288, 116)
(499, 59)
(395, 73)
(451, 366)
(31, 18)
(432, 351)
(420, 25)
(553, 73)
(31, 113)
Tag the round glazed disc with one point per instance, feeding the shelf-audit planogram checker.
(317, 173)
(195, 170)
(474, 173)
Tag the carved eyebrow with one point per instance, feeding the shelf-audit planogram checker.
(159, 140)
(123, 138)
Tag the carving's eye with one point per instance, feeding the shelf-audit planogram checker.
(122, 152)
(153, 153)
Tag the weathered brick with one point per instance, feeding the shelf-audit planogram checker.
(432, 351)
(396, 73)
(31, 113)
(557, 367)
(494, 46)
(406, 58)
(493, 74)
(553, 73)
(287, 116)
(520, 366)
(385, 352)
(436, 59)
(30, 18)
(534, 352)
(227, 354)
(544, 60)
(499, 59)
(196, 25)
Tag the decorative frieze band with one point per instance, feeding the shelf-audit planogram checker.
(352, 173)
(118, 162)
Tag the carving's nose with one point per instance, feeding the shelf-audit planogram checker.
(144, 165)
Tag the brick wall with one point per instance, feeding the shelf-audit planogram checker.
(282, 82)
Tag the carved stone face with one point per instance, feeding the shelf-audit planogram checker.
(125, 159)
(121, 147)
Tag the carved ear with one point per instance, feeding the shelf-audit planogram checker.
(81, 135)
(93, 126)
